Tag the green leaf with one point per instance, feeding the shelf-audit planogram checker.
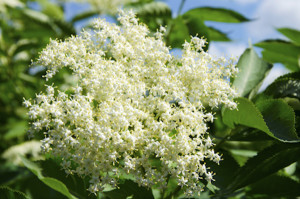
(265, 163)
(129, 188)
(280, 119)
(196, 27)
(154, 14)
(75, 184)
(292, 34)
(178, 34)
(246, 114)
(51, 9)
(51, 182)
(275, 186)
(295, 75)
(39, 17)
(274, 117)
(225, 171)
(17, 129)
(84, 15)
(279, 51)
(252, 70)
(217, 14)
(7, 192)
(66, 27)
(216, 35)
(284, 87)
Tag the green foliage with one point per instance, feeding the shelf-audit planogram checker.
(51, 182)
(129, 188)
(6, 192)
(251, 72)
(217, 14)
(258, 140)
(285, 52)
(274, 186)
(264, 164)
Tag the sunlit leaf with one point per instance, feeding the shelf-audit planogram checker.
(217, 14)
(279, 51)
(252, 70)
(274, 117)
(292, 34)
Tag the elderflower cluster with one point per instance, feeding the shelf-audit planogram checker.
(136, 108)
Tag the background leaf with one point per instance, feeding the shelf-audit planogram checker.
(279, 51)
(217, 14)
(264, 164)
(292, 34)
(178, 33)
(252, 70)
(216, 35)
(129, 188)
(51, 182)
(275, 186)
(7, 192)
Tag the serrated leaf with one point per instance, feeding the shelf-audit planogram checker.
(274, 117)
(292, 34)
(295, 75)
(280, 119)
(284, 88)
(129, 188)
(217, 14)
(216, 35)
(7, 192)
(265, 163)
(252, 70)
(275, 186)
(154, 14)
(178, 34)
(153, 8)
(279, 51)
(246, 114)
(51, 182)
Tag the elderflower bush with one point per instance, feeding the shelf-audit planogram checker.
(134, 103)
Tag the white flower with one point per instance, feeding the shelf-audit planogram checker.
(134, 101)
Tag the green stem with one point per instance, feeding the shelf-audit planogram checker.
(180, 7)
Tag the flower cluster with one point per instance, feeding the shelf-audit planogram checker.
(136, 108)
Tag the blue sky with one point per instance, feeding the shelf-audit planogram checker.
(265, 15)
